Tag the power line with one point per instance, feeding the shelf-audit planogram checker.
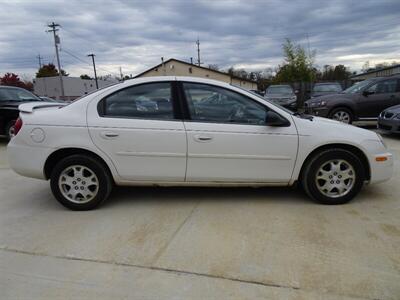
(69, 52)
(74, 56)
(40, 60)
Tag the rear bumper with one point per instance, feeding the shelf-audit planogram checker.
(27, 160)
(390, 125)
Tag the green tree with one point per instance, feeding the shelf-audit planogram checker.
(297, 66)
(49, 70)
(213, 67)
(12, 79)
(85, 76)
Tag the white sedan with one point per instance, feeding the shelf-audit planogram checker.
(176, 131)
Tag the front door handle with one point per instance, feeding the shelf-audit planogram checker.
(202, 138)
(109, 134)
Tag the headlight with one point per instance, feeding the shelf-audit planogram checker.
(317, 104)
(293, 98)
(381, 139)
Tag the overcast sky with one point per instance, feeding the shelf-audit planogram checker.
(245, 34)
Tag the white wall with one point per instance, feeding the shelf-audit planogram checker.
(74, 87)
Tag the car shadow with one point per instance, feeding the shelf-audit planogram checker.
(123, 195)
(3, 141)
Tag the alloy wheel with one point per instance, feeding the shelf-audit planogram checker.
(342, 116)
(78, 184)
(335, 178)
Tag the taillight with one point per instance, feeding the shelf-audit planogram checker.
(17, 126)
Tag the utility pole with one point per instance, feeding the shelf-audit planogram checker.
(198, 52)
(120, 72)
(54, 29)
(40, 60)
(94, 68)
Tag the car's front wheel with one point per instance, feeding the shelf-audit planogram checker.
(80, 182)
(333, 176)
(343, 115)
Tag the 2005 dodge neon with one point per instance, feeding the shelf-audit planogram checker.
(189, 131)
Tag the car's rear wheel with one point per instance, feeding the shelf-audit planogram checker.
(10, 130)
(80, 182)
(342, 114)
(333, 176)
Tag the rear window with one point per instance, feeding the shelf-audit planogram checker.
(279, 89)
(13, 94)
(327, 88)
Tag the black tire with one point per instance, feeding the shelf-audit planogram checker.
(101, 171)
(344, 111)
(313, 165)
(8, 128)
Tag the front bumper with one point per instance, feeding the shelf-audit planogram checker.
(389, 125)
(317, 111)
(380, 161)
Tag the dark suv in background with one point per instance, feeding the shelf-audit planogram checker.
(364, 100)
(10, 99)
(283, 95)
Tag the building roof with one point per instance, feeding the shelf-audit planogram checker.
(193, 65)
(376, 70)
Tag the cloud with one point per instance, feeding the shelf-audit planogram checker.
(136, 34)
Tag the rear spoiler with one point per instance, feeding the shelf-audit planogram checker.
(30, 107)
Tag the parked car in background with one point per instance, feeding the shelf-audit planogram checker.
(10, 99)
(325, 88)
(261, 93)
(48, 99)
(389, 120)
(103, 139)
(283, 95)
(363, 101)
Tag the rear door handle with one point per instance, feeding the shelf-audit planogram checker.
(202, 138)
(109, 134)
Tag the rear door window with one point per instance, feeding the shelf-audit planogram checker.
(146, 101)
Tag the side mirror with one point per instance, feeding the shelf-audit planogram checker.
(367, 93)
(274, 119)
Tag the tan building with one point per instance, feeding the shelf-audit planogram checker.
(388, 71)
(174, 67)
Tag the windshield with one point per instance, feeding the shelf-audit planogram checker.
(15, 94)
(279, 89)
(327, 88)
(357, 87)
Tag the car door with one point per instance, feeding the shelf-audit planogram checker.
(236, 145)
(378, 97)
(138, 128)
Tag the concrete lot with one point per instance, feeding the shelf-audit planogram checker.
(186, 243)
